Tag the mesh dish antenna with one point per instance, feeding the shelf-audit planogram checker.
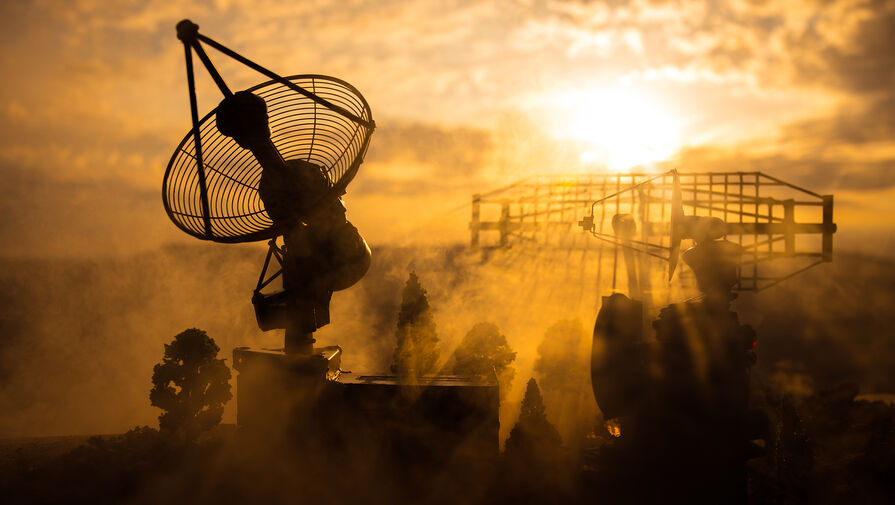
(275, 160)
(210, 187)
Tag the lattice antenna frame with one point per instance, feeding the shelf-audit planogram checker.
(210, 187)
(772, 219)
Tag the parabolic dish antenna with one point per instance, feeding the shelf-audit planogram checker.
(269, 161)
(210, 187)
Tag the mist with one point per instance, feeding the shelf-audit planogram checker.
(81, 336)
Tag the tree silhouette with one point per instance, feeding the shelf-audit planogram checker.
(533, 438)
(562, 364)
(562, 367)
(417, 351)
(190, 384)
(484, 351)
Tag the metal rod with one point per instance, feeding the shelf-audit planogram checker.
(314, 129)
(783, 183)
(272, 278)
(605, 238)
(618, 190)
(197, 138)
(829, 228)
(785, 277)
(726, 196)
(618, 183)
(733, 228)
(225, 90)
(600, 230)
(261, 282)
(637, 242)
(755, 239)
(789, 217)
(474, 224)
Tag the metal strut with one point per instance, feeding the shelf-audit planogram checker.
(285, 82)
(188, 32)
(183, 32)
(277, 253)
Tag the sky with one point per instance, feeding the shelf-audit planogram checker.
(467, 96)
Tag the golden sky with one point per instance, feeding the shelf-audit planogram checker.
(467, 96)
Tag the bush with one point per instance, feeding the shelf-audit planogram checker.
(190, 384)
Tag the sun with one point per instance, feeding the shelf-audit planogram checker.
(618, 127)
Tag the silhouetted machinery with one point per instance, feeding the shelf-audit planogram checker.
(681, 397)
(274, 160)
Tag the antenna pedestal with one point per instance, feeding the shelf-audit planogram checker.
(299, 342)
(278, 391)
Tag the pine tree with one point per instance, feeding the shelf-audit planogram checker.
(190, 384)
(417, 352)
(533, 438)
(484, 351)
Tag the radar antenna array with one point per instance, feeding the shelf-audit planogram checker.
(766, 228)
(641, 219)
(210, 187)
(269, 161)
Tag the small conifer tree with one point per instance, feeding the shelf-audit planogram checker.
(190, 384)
(484, 352)
(417, 352)
(533, 438)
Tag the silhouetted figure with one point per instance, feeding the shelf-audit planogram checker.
(714, 260)
(620, 365)
(682, 399)
(324, 251)
(703, 393)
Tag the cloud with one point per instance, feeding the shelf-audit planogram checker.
(848, 46)
(95, 93)
(858, 122)
(43, 216)
(813, 172)
(458, 152)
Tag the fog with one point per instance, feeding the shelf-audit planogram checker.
(81, 336)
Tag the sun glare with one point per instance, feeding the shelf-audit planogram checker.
(619, 128)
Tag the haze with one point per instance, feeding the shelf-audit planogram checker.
(467, 96)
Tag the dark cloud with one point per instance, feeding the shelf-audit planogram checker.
(43, 216)
(835, 321)
(814, 173)
(866, 63)
(870, 120)
(449, 151)
(855, 59)
(416, 186)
